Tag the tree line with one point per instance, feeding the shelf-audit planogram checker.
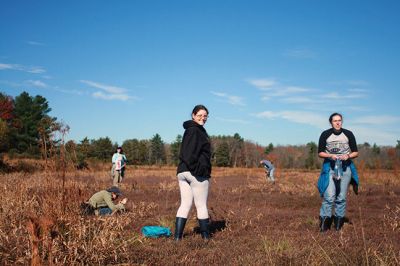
(27, 130)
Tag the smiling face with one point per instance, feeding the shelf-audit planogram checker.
(336, 122)
(200, 117)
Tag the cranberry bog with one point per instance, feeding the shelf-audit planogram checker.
(253, 222)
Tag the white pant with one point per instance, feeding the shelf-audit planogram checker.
(191, 189)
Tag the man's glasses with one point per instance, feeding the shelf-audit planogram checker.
(202, 116)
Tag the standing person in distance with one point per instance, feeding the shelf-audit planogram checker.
(338, 147)
(118, 166)
(194, 171)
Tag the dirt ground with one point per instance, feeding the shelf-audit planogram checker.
(254, 222)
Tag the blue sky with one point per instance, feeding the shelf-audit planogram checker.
(272, 71)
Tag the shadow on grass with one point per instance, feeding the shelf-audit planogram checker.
(215, 226)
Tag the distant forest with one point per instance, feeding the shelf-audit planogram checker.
(28, 131)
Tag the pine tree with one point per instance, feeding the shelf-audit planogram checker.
(222, 154)
(175, 149)
(157, 151)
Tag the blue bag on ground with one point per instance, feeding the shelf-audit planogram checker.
(155, 231)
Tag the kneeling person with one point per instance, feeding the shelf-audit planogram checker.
(103, 201)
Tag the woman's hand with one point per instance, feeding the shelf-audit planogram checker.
(123, 201)
(344, 157)
(334, 157)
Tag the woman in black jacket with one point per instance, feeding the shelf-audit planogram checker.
(193, 171)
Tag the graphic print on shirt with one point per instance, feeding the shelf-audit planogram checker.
(338, 144)
(118, 162)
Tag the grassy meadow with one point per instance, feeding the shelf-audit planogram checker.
(253, 222)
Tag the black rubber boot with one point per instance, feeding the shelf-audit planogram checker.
(338, 221)
(325, 223)
(179, 226)
(204, 228)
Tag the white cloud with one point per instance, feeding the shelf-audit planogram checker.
(291, 94)
(109, 92)
(377, 120)
(102, 95)
(347, 95)
(231, 99)
(301, 117)
(298, 99)
(76, 92)
(332, 95)
(374, 135)
(357, 90)
(263, 84)
(235, 121)
(35, 70)
(37, 83)
(7, 66)
(265, 98)
(106, 88)
(29, 69)
(290, 90)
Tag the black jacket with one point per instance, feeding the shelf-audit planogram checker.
(195, 153)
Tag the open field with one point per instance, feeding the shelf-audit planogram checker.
(253, 222)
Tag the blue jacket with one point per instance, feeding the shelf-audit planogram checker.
(323, 180)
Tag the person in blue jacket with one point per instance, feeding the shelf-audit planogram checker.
(337, 146)
(269, 170)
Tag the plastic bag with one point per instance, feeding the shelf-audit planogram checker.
(154, 231)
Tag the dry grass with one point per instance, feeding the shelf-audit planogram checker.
(254, 222)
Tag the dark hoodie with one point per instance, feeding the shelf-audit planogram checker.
(195, 153)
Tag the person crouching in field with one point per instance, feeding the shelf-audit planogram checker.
(269, 170)
(194, 171)
(102, 202)
(118, 166)
(337, 146)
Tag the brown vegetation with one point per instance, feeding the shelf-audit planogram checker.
(253, 222)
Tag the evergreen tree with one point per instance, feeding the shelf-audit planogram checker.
(222, 154)
(84, 148)
(132, 151)
(376, 150)
(157, 151)
(30, 114)
(144, 151)
(175, 149)
(102, 148)
(312, 155)
(269, 149)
